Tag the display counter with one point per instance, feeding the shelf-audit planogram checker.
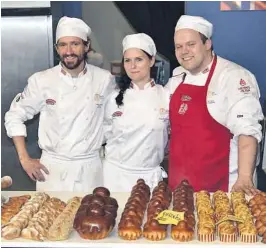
(113, 240)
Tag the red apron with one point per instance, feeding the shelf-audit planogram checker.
(199, 145)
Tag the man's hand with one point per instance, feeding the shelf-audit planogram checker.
(34, 169)
(245, 184)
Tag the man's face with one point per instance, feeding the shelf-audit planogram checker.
(72, 51)
(190, 51)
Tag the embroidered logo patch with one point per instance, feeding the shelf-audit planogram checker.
(50, 102)
(183, 109)
(185, 98)
(117, 114)
(242, 82)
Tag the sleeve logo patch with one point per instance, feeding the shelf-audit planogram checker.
(242, 82)
(50, 102)
(117, 114)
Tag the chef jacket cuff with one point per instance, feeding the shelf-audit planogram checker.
(17, 131)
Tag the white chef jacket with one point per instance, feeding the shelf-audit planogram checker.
(71, 112)
(136, 136)
(232, 100)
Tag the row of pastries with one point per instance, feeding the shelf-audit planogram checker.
(222, 216)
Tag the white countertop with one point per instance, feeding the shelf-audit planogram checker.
(113, 240)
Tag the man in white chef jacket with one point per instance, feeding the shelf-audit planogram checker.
(218, 152)
(70, 99)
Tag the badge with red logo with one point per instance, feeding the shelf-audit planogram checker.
(183, 109)
(50, 102)
(244, 87)
(242, 82)
(117, 114)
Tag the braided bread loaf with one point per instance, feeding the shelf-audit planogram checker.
(12, 207)
(14, 227)
(183, 201)
(161, 199)
(258, 209)
(39, 224)
(129, 227)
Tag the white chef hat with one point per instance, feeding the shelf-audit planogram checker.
(70, 26)
(196, 23)
(141, 41)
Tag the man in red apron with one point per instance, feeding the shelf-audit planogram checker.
(199, 144)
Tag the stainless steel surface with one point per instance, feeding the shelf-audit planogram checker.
(26, 48)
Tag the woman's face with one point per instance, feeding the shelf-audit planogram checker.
(137, 64)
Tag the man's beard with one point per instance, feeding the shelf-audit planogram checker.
(72, 65)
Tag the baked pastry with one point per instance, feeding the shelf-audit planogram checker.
(12, 207)
(95, 218)
(206, 221)
(226, 230)
(14, 227)
(6, 182)
(183, 201)
(161, 199)
(258, 210)
(39, 224)
(247, 229)
(129, 227)
(63, 224)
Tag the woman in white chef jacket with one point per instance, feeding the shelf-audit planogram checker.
(136, 120)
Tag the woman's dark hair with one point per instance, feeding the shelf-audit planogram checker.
(124, 82)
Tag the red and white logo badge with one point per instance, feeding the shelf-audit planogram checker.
(242, 82)
(50, 101)
(183, 109)
(117, 114)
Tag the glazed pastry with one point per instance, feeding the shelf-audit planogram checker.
(63, 224)
(183, 201)
(95, 218)
(129, 227)
(226, 230)
(40, 223)
(14, 227)
(161, 199)
(258, 210)
(206, 222)
(12, 207)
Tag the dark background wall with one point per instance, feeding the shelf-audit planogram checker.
(239, 36)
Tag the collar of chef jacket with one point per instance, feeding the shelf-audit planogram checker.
(147, 85)
(65, 73)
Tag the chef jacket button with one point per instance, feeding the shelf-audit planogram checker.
(75, 87)
(88, 98)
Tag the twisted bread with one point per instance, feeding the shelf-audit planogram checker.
(161, 198)
(39, 224)
(183, 202)
(258, 210)
(12, 207)
(14, 227)
(129, 227)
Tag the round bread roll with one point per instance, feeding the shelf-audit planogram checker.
(6, 182)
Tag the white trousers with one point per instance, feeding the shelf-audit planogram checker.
(119, 179)
(77, 175)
